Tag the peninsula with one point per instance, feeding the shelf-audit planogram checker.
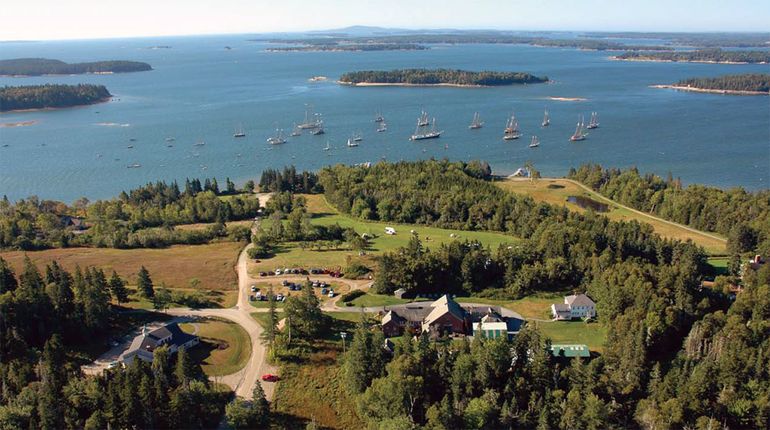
(51, 96)
(45, 66)
(339, 47)
(745, 84)
(700, 56)
(437, 77)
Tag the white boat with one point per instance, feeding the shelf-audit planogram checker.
(318, 130)
(327, 148)
(382, 127)
(476, 123)
(311, 121)
(200, 143)
(378, 117)
(352, 143)
(277, 139)
(170, 139)
(535, 142)
(239, 132)
(295, 131)
(357, 137)
(546, 119)
(422, 120)
(594, 121)
(134, 166)
(511, 131)
(431, 134)
(580, 133)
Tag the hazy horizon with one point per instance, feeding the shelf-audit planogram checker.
(39, 20)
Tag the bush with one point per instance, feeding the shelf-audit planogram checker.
(351, 295)
(356, 270)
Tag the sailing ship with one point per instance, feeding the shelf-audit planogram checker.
(594, 121)
(423, 120)
(318, 130)
(511, 131)
(327, 146)
(535, 142)
(239, 132)
(134, 166)
(200, 143)
(476, 123)
(295, 131)
(277, 139)
(352, 143)
(422, 135)
(378, 117)
(311, 121)
(546, 119)
(382, 127)
(357, 137)
(580, 133)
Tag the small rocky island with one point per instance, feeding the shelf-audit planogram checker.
(45, 66)
(51, 96)
(745, 84)
(438, 77)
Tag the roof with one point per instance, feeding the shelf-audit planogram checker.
(491, 326)
(560, 307)
(413, 314)
(392, 316)
(570, 350)
(443, 306)
(151, 341)
(579, 300)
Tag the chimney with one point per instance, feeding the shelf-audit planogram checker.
(144, 330)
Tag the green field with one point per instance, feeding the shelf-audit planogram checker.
(224, 349)
(536, 306)
(556, 191)
(579, 332)
(263, 317)
(719, 264)
(371, 300)
(292, 255)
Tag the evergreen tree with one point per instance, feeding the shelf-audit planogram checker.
(183, 372)
(144, 283)
(118, 288)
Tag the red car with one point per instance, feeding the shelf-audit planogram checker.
(270, 377)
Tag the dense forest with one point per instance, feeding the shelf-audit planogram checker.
(700, 56)
(742, 216)
(677, 355)
(746, 82)
(288, 179)
(140, 218)
(469, 38)
(47, 322)
(45, 66)
(439, 76)
(51, 96)
(350, 47)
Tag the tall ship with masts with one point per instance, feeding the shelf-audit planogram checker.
(277, 139)
(423, 120)
(429, 134)
(546, 119)
(239, 132)
(378, 117)
(535, 142)
(511, 131)
(580, 133)
(477, 123)
(594, 121)
(312, 120)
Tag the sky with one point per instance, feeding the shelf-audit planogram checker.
(89, 19)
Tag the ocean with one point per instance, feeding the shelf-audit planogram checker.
(199, 91)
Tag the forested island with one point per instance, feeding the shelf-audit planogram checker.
(447, 77)
(45, 66)
(335, 47)
(746, 84)
(700, 56)
(700, 40)
(51, 96)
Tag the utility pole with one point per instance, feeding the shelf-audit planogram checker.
(343, 335)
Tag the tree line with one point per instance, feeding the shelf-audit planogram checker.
(50, 96)
(736, 213)
(45, 66)
(440, 76)
(142, 217)
(288, 179)
(745, 82)
(701, 55)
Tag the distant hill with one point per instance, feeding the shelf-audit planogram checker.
(51, 96)
(45, 66)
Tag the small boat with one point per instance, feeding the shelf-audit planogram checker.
(317, 131)
(511, 131)
(277, 139)
(357, 137)
(327, 147)
(535, 142)
(378, 117)
(130, 146)
(295, 131)
(352, 143)
(546, 119)
(239, 132)
(477, 123)
(170, 139)
(382, 127)
(132, 140)
(200, 143)
(594, 121)
(422, 120)
(432, 134)
(580, 133)
(169, 146)
(134, 166)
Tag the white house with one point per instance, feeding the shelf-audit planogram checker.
(144, 345)
(574, 306)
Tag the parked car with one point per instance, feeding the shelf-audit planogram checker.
(269, 377)
(331, 294)
(254, 288)
(262, 273)
(285, 283)
(113, 364)
(324, 291)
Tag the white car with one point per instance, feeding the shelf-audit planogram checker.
(390, 230)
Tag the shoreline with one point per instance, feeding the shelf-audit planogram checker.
(17, 124)
(656, 60)
(710, 90)
(393, 84)
(100, 101)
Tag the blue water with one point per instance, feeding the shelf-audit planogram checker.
(201, 92)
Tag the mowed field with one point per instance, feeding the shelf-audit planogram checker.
(556, 191)
(292, 255)
(224, 349)
(175, 266)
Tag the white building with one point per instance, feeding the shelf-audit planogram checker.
(574, 306)
(144, 345)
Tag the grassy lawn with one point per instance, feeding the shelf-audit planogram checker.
(535, 306)
(313, 390)
(719, 264)
(370, 299)
(224, 349)
(215, 299)
(556, 191)
(593, 334)
(353, 316)
(203, 225)
(262, 317)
